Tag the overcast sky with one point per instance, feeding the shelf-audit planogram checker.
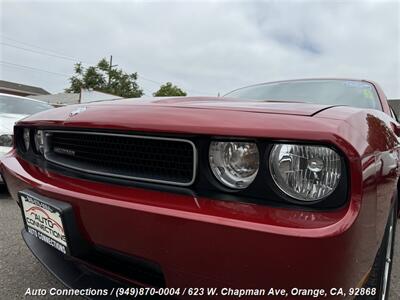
(203, 47)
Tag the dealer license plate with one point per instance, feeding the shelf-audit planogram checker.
(43, 221)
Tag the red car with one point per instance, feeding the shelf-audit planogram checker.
(287, 188)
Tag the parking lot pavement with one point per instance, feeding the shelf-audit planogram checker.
(19, 269)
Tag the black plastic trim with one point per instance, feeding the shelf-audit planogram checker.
(71, 273)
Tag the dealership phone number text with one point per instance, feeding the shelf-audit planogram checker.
(138, 292)
(239, 293)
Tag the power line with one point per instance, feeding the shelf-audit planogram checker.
(69, 58)
(147, 91)
(55, 54)
(160, 83)
(44, 50)
(38, 52)
(6, 63)
(150, 80)
(9, 64)
(28, 44)
(110, 69)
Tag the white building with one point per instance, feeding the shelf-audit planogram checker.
(85, 96)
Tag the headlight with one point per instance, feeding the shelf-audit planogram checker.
(39, 141)
(306, 173)
(27, 138)
(6, 140)
(234, 164)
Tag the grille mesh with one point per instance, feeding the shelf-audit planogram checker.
(151, 159)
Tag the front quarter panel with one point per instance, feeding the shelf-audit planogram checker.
(379, 149)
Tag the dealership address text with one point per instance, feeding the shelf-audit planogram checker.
(199, 292)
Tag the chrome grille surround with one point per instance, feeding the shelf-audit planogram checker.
(68, 162)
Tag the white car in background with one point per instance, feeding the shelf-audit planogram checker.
(12, 109)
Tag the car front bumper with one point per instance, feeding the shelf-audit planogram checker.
(201, 242)
(71, 273)
(3, 151)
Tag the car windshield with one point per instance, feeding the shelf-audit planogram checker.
(16, 105)
(332, 92)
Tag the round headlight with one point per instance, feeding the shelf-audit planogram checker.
(234, 164)
(39, 141)
(27, 138)
(304, 172)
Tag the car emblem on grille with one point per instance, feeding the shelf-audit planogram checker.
(64, 151)
(77, 111)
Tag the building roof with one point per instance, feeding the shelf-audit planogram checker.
(59, 99)
(90, 95)
(85, 96)
(23, 89)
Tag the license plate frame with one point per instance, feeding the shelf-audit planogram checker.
(44, 220)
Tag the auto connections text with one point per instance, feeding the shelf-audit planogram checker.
(137, 292)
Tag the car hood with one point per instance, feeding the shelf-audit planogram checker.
(186, 103)
(7, 122)
(209, 116)
(189, 115)
(220, 103)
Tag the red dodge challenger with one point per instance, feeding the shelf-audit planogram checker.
(284, 189)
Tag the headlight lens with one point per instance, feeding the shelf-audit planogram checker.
(304, 172)
(27, 139)
(39, 141)
(6, 140)
(234, 164)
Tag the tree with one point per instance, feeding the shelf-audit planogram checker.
(104, 78)
(169, 90)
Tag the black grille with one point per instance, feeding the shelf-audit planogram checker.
(134, 157)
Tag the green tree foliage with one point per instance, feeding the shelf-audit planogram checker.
(104, 79)
(168, 89)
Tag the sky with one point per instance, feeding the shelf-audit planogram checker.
(204, 47)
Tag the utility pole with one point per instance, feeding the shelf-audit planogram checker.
(109, 71)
